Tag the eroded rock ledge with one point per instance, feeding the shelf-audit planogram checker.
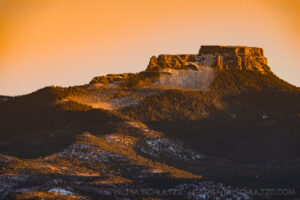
(221, 57)
(208, 58)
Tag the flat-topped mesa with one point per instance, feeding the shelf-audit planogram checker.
(221, 57)
(235, 57)
(232, 50)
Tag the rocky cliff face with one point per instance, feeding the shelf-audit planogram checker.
(191, 71)
(221, 57)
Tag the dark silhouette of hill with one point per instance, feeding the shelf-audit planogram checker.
(33, 125)
(240, 127)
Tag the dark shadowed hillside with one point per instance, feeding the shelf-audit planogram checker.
(36, 125)
(218, 119)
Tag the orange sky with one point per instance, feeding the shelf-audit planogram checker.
(68, 42)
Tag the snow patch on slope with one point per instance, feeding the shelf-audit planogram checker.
(90, 154)
(60, 191)
(159, 147)
(187, 79)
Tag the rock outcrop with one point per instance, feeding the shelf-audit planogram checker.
(110, 78)
(172, 61)
(221, 57)
(208, 59)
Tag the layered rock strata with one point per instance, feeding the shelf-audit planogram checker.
(221, 57)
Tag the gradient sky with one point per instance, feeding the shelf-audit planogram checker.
(68, 42)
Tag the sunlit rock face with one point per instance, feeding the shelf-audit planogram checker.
(188, 71)
(172, 61)
(235, 57)
(233, 50)
(221, 57)
(109, 78)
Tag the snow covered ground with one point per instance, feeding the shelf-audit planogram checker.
(164, 147)
(60, 191)
(90, 154)
(186, 79)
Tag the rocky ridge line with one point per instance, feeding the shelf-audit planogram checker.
(221, 57)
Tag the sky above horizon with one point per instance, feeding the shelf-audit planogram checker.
(68, 42)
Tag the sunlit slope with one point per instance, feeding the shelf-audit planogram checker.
(37, 124)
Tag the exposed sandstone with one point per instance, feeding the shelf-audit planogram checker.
(172, 61)
(110, 78)
(216, 57)
(237, 57)
(233, 50)
(221, 57)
